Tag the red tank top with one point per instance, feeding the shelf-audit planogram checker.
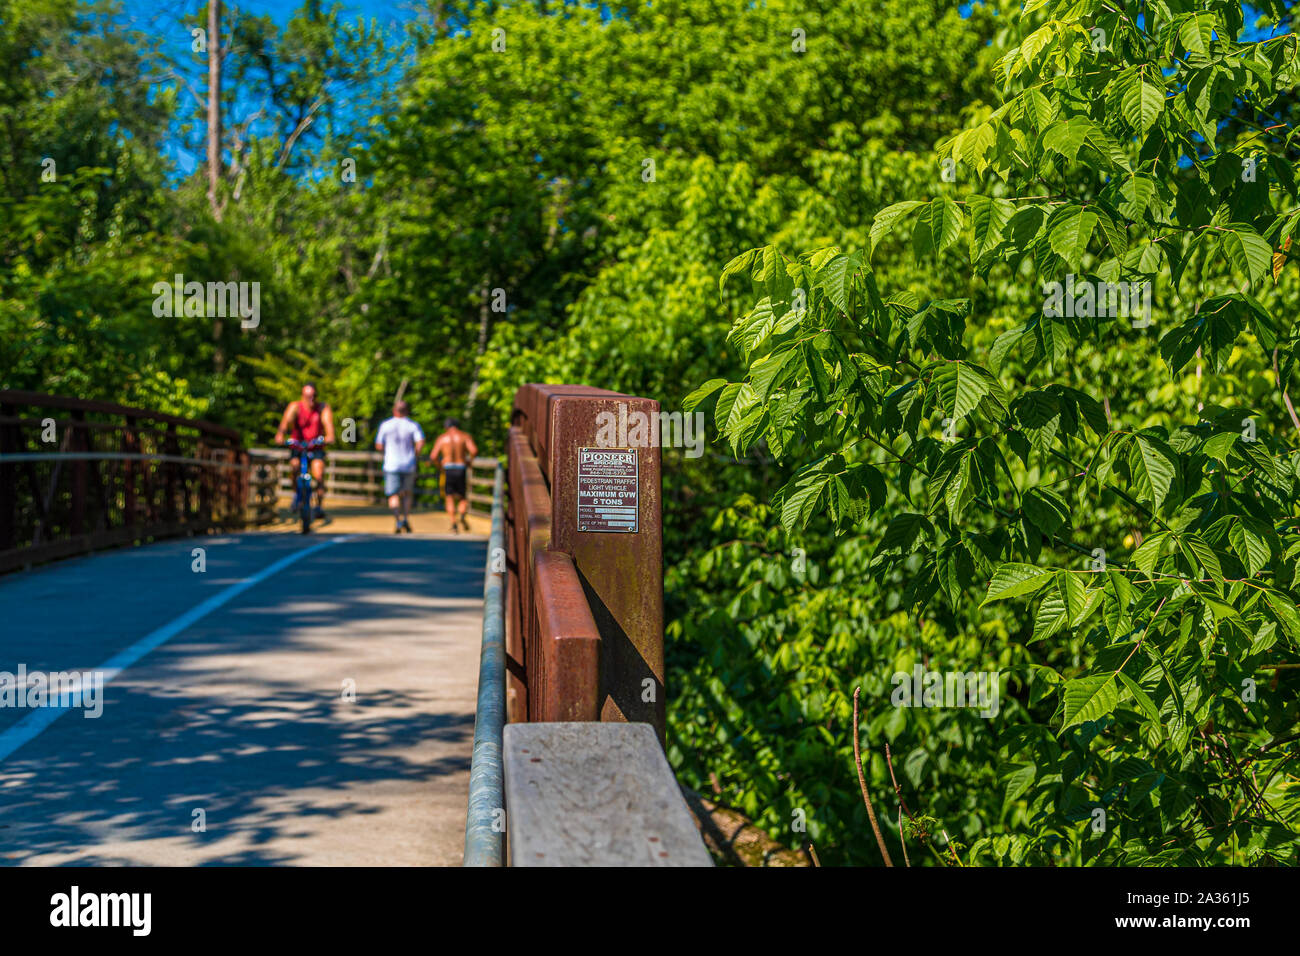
(307, 423)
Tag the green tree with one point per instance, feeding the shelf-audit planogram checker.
(1107, 499)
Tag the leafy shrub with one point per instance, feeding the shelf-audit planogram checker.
(996, 473)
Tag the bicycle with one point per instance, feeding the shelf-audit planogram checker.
(305, 484)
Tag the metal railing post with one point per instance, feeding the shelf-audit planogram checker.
(585, 468)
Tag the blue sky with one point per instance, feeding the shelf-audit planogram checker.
(160, 11)
(163, 19)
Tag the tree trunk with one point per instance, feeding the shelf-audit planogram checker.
(214, 148)
(484, 324)
(214, 105)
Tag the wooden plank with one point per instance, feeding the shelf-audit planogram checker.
(594, 794)
(330, 453)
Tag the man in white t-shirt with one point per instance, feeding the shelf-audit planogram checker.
(401, 441)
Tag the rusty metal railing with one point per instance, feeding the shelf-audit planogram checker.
(584, 595)
(79, 475)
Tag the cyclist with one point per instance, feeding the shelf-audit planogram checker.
(305, 420)
(456, 448)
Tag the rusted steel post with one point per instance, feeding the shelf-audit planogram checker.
(600, 452)
(80, 443)
(205, 479)
(516, 586)
(241, 484)
(533, 534)
(129, 446)
(171, 513)
(568, 643)
(9, 445)
(607, 513)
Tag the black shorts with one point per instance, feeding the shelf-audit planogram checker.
(315, 454)
(454, 481)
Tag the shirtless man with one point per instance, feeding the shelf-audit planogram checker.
(304, 420)
(456, 449)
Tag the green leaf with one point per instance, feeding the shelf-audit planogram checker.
(1148, 552)
(1286, 613)
(1003, 345)
(960, 388)
(736, 266)
(1036, 42)
(1248, 251)
(837, 279)
(700, 394)
(1067, 137)
(1046, 510)
(1154, 467)
(773, 264)
(1037, 108)
(1014, 579)
(1116, 237)
(798, 506)
(1250, 544)
(822, 256)
(1140, 697)
(1053, 614)
(885, 220)
(1199, 551)
(1089, 698)
(1093, 599)
(1141, 102)
(1069, 233)
(754, 326)
(937, 227)
(726, 401)
(1020, 780)
(1264, 638)
(766, 372)
(1218, 446)
(903, 533)
(1196, 33)
(988, 218)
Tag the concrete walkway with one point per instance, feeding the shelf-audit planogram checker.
(345, 517)
(242, 714)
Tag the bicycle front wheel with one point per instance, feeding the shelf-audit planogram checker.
(304, 506)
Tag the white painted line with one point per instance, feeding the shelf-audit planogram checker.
(34, 723)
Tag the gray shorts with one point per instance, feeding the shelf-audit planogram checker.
(395, 481)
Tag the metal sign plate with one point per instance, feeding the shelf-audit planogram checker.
(608, 480)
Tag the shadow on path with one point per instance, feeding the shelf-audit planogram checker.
(244, 716)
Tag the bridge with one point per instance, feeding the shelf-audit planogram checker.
(183, 681)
